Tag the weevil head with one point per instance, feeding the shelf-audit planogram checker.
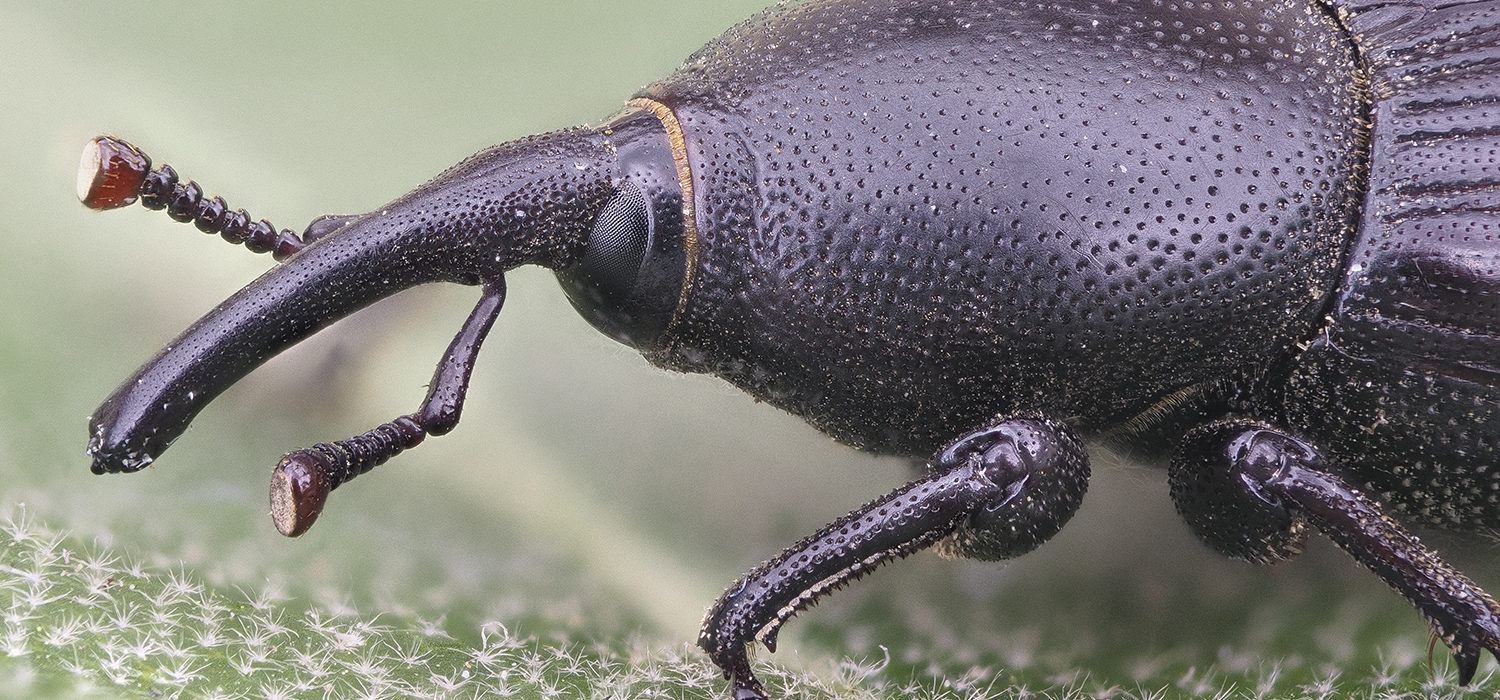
(597, 205)
(629, 281)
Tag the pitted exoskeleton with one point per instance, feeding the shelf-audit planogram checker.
(1258, 237)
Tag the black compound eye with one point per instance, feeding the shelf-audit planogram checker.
(617, 246)
(628, 282)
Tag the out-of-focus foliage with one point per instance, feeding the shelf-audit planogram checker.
(564, 541)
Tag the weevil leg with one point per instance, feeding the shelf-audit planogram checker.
(302, 480)
(995, 492)
(1249, 490)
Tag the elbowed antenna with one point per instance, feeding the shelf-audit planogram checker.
(113, 173)
(530, 201)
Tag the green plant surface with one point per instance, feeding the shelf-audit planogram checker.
(566, 539)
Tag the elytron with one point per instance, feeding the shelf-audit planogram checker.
(1254, 241)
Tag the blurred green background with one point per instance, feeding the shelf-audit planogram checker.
(590, 504)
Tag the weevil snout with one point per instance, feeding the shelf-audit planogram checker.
(602, 207)
(1257, 237)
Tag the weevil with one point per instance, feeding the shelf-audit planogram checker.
(1256, 241)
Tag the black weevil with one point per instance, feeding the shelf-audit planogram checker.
(1260, 236)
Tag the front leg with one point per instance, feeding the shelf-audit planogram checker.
(1250, 491)
(998, 492)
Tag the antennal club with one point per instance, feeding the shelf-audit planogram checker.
(528, 202)
(114, 173)
(302, 480)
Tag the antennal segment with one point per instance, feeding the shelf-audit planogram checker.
(113, 173)
(303, 479)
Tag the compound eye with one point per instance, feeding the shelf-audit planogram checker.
(617, 246)
(629, 280)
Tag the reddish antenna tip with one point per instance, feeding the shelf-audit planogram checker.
(111, 173)
(299, 488)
